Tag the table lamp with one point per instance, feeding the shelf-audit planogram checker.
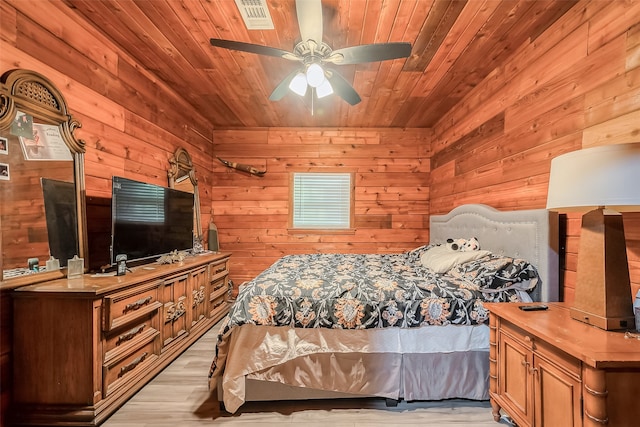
(602, 181)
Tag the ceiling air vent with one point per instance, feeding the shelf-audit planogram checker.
(255, 14)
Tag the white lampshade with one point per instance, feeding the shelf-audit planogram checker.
(315, 75)
(606, 176)
(299, 84)
(324, 89)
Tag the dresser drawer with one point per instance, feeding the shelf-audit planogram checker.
(558, 358)
(218, 270)
(122, 340)
(218, 302)
(516, 333)
(218, 288)
(130, 305)
(128, 367)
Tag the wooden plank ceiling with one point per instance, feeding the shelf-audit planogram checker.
(455, 44)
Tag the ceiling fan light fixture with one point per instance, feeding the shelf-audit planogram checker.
(298, 84)
(324, 89)
(315, 75)
(312, 53)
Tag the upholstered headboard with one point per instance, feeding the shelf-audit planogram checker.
(528, 234)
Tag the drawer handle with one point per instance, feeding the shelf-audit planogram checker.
(218, 304)
(133, 364)
(221, 269)
(525, 363)
(129, 335)
(136, 305)
(220, 286)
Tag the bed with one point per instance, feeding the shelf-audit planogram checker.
(300, 330)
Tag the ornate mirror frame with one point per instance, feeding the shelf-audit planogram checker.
(182, 176)
(31, 93)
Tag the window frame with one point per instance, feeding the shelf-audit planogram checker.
(298, 230)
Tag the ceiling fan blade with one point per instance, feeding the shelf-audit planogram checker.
(254, 48)
(283, 87)
(369, 53)
(310, 19)
(343, 88)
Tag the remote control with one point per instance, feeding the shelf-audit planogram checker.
(533, 307)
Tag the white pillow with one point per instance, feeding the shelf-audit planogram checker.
(441, 259)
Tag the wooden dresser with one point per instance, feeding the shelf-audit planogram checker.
(83, 346)
(550, 370)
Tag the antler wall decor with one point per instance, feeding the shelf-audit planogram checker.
(241, 167)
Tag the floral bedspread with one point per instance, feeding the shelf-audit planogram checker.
(354, 291)
(359, 291)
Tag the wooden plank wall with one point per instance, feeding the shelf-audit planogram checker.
(575, 86)
(251, 213)
(131, 122)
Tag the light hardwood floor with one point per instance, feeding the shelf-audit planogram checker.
(179, 396)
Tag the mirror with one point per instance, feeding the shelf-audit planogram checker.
(41, 180)
(182, 176)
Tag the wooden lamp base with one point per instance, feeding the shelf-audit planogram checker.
(603, 295)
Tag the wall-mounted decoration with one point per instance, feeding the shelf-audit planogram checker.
(4, 146)
(241, 167)
(4, 172)
(22, 125)
(45, 144)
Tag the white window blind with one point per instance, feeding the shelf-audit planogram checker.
(322, 200)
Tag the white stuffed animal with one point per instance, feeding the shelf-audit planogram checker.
(463, 245)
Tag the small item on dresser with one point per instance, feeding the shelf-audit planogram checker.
(121, 264)
(75, 267)
(636, 310)
(172, 257)
(53, 264)
(33, 263)
(536, 307)
(198, 245)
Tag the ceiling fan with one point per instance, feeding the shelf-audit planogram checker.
(313, 55)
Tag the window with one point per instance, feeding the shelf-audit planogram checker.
(321, 200)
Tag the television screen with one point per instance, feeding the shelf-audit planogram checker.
(149, 220)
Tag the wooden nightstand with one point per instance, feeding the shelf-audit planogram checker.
(550, 370)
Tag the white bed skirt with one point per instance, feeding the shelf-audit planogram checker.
(427, 363)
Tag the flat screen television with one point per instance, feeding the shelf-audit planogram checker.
(148, 220)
